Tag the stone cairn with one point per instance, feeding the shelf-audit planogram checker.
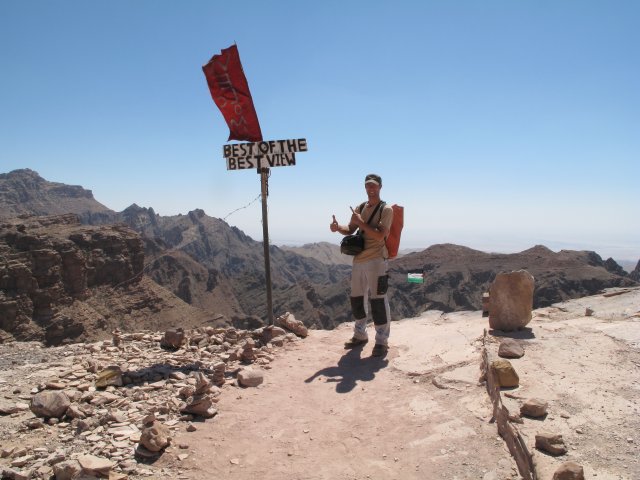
(111, 407)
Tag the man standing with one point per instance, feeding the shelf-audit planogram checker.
(369, 278)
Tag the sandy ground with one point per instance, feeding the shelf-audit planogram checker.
(328, 413)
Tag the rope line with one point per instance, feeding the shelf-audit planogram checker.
(247, 205)
(175, 249)
(166, 252)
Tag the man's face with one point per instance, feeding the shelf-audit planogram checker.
(372, 189)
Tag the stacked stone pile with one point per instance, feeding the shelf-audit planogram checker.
(106, 408)
(510, 303)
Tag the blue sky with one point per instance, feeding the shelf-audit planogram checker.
(496, 124)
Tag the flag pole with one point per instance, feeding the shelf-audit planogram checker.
(264, 174)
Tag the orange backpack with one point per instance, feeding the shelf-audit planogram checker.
(393, 239)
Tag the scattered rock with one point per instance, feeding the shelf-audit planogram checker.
(201, 405)
(510, 348)
(202, 383)
(289, 322)
(248, 355)
(551, 443)
(11, 474)
(505, 373)
(67, 470)
(155, 437)
(89, 413)
(109, 376)
(50, 404)
(11, 408)
(569, 471)
(218, 373)
(173, 338)
(534, 407)
(93, 465)
(117, 476)
(270, 332)
(248, 377)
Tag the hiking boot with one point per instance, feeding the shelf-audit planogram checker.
(355, 342)
(379, 350)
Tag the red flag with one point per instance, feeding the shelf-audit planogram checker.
(230, 91)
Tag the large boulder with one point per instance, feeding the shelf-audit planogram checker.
(511, 301)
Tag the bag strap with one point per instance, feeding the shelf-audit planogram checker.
(375, 210)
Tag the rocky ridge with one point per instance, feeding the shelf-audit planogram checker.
(456, 277)
(218, 272)
(25, 192)
(324, 252)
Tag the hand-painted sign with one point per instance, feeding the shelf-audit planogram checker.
(261, 161)
(269, 147)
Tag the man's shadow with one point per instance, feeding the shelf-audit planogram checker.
(351, 368)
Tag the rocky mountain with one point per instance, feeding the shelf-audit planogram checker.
(324, 252)
(62, 281)
(218, 271)
(209, 264)
(26, 192)
(455, 277)
(204, 261)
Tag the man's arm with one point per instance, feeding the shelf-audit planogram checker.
(377, 232)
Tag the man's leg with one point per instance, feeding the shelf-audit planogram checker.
(380, 311)
(359, 296)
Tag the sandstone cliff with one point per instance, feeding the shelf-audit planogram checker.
(61, 281)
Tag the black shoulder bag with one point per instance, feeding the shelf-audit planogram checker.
(354, 244)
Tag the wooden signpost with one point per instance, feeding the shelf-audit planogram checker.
(262, 156)
(230, 92)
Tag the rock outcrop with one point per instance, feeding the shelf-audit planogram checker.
(62, 281)
(48, 262)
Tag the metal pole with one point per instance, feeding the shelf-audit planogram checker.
(264, 172)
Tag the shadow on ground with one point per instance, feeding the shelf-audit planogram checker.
(525, 333)
(350, 370)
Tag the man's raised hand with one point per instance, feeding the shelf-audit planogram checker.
(334, 225)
